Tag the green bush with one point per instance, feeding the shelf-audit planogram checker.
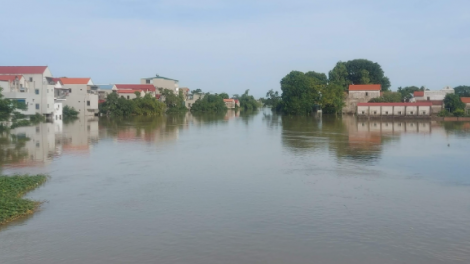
(459, 112)
(69, 112)
(443, 113)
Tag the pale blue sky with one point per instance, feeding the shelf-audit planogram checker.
(231, 46)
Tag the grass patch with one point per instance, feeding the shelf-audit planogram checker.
(12, 188)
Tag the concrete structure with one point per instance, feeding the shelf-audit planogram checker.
(103, 91)
(230, 103)
(466, 101)
(128, 90)
(394, 109)
(36, 93)
(428, 95)
(360, 94)
(161, 82)
(82, 95)
(191, 99)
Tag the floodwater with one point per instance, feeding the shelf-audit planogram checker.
(243, 188)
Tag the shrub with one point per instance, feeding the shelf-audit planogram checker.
(459, 112)
(443, 113)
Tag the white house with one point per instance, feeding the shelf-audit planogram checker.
(128, 90)
(36, 92)
(429, 95)
(161, 82)
(394, 109)
(360, 93)
(82, 95)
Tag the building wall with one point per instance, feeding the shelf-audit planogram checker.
(355, 97)
(30, 100)
(367, 95)
(78, 98)
(57, 111)
(394, 110)
(191, 99)
(163, 83)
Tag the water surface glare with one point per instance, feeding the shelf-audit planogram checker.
(244, 188)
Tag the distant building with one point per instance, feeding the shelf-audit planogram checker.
(160, 82)
(466, 101)
(230, 103)
(360, 94)
(31, 88)
(394, 109)
(82, 95)
(128, 90)
(191, 99)
(103, 91)
(428, 95)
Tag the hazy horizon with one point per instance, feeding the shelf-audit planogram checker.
(226, 46)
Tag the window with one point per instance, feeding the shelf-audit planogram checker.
(375, 124)
(37, 129)
(363, 112)
(56, 117)
(88, 103)
(36, 91)
(147, 81)
(47, 105)
(429, 98)
(424, 112)
(37, 144)
(367, 94)
(128, 97)
(399, 112)
(411, 112)
(37, 106)
(386, 112)
(375, 112)
(60, 117)
(363, 124)
(30, 79)
(70, 90)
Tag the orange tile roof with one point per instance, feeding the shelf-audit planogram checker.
(229, 100)
(365, 87)
(465, 100)
(10, 78)
(22, 69)
(418, 94)
(75, 80)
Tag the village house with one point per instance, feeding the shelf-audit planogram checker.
(466, 101)
(103, 91)
(419, 109)
(128, 91)
(434, 97)
(160, 82)
(82, 95)
(31, 88)
(191, 99)
(361, 93)
(230, 103)
(60, 95)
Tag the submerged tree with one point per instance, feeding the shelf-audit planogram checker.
(359, 71)
(453, 102)
(300, 93)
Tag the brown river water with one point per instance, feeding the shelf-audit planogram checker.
(243, 188)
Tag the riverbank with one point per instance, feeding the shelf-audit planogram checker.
(12, 188)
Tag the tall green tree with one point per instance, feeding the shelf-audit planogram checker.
(209, 103)
(332, 98)
(320, 77)
(407, 91)
(273, 99)
(224, 95)
(9, 108)
(300, 93)
(248, 102)
(462, 91)
(453, 102)
(359, 71)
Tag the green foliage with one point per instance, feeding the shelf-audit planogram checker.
(138, 94)
(209, 103)
(174, 103)
(119, 106)
(462, 91)
(453, 102)
(12, 206)
(444, 113)
(332, 98)
(248, 102)
(197, 91)
(20, 123)
(37, 118)
(8, 108)
(224, 95)
(273, 99)
(459, 112)
(387, 97)
(320, 77)
(69, 112)
(359, 71)
(407, 92)
(300, 93)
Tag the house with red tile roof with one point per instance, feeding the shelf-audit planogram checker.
(230, 103)
(37, 93)
(128, 90)
(360, 93)
(82, 95)
(160, 82)
(466, 101)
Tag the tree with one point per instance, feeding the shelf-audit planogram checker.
(9, 109)
(248, 102)
(407, 92)
(339, 76)
(224, 95)
(137, 94)
(320, 77)
(359, 71)
(462, 91)
(388, 97)
(300, 93)
(332, 98)
(453, 102)
(273, 99)
(197, 91)
(209, 103)
(174, 102)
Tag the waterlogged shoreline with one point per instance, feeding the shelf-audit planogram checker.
(12, 188)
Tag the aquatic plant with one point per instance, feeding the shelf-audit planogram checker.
(12, 188)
